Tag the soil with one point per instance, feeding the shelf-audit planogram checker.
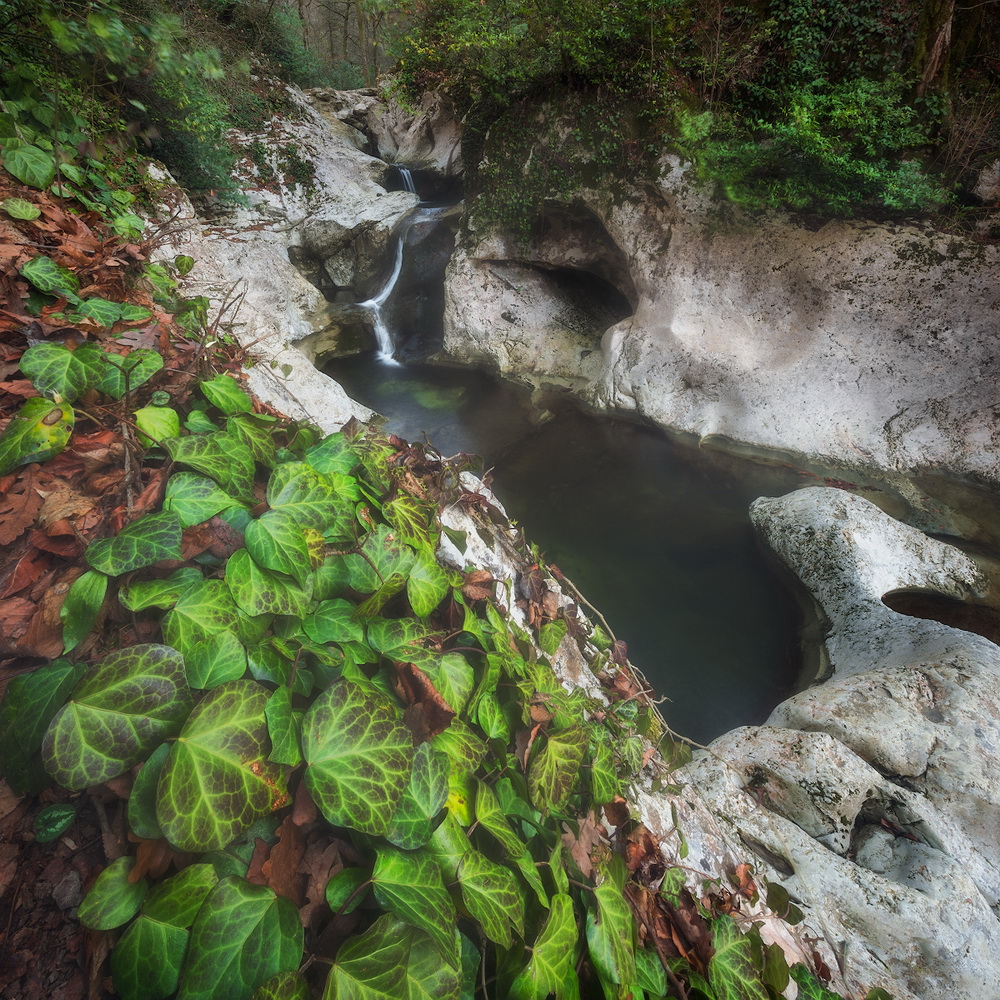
(45, 953)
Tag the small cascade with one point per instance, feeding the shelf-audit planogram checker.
(407, 178)
(383, 338)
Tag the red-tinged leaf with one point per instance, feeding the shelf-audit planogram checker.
(25, 572)
(20, 503)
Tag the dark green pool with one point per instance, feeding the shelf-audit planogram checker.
(654, 533)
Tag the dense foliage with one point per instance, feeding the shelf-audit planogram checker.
(87, 87)
(830, 107)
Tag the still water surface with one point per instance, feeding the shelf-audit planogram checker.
(654, 533)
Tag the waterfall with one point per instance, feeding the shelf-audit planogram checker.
(374, 305)
(407, 178)
(383, 338)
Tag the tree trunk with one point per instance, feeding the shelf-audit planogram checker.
(933, 46)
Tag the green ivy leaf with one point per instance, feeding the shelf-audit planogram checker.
(552, 966)
(255, 431)
(29, 705)
(551, 635)
(124, 706)
(649, 973)
(156, 424)
(204, 609)
(395, 637)
(426, 585)
(178, 900)
(199, 422)
(492, 897)
(151, 539)
(224, 392)
(184, 264)
(394, 961)
(195, 499)
(101, 311)
(258, 591)
(731, 969)
(128, 225)
(47, 276)
(30, 165)
(332, 454)
(217, 780)
(465, 749)
(283, 726)
(81, 607)
(604, 781)
(38, 431)
(142, 802)
(358, 753)
(21, 208)
(146, 962)
(453, 678)
(409, 885)
(810, 988)
(56, 371)
(492, 818)
(384, 555)
(491, 719)
(333, 621)
(611, 937)
(343, 891)
(112, 899)
(219, 456)
(132, 313)
(161, 593)
(413, 521)
(242, 936)
(284, 986)
(308, 497)
(418, 809)
(215, 660)
(276, 541)
(53, 821)
(128, 372)
(552, 773)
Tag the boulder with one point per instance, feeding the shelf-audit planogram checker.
(872, 795)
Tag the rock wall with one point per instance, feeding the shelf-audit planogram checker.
(847, 344)
(872, 795)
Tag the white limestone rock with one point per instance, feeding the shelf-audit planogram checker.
(871, 796)
(855, 345)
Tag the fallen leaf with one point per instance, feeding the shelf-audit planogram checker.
(478, 585)
(62, 503)
(20, 503)
(281, 869)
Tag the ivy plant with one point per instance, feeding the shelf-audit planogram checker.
(321, 671)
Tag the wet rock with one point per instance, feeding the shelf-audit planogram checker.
(871, 796)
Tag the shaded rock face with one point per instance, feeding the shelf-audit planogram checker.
(854, 345)
(872, 796)
(427, 138)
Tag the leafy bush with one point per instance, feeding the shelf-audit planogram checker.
(831, 148)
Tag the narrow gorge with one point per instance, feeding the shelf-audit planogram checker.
(851, 365)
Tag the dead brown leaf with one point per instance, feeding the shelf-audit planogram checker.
(281, 869)
(20, 503)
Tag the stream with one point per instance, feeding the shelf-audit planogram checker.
(654, 532)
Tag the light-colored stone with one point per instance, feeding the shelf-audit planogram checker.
(856, 345)
(872, 795)
(243, 266)
(988, 184)
(426, 137)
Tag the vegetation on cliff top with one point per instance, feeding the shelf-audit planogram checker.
(833, 107)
